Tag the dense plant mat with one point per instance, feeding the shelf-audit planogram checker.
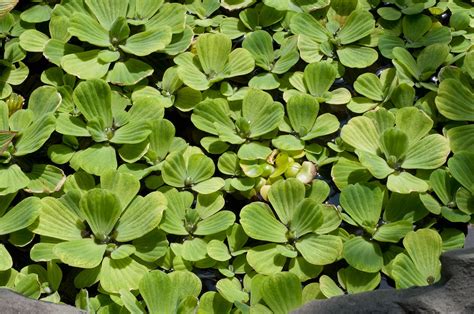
(231, 156)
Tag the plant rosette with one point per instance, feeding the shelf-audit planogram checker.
(104, 230)
(393, 145)
(300, 232)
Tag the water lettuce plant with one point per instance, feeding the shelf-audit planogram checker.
(236, 156)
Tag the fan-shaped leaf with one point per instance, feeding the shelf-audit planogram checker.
(282, 292)
(363, 255)
(405, 183)
(101, 209)
(142, 215)
(83, 253)
(454, 100)
(461, 167)
(363, 202)
(318, 77)
(285, 196)
(428, 153)
(93, 98)
(319, 249)
(358, 25)
(20, 216)
(259, 223)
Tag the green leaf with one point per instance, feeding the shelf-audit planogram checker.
(44, 100)
(329, 288)
(145, 43)
(308, 217)
(142, 215)
(192, 250)
(213, 51)
(170, 14)
(7, 6)
(123, 185)
(87, 29)
(97, 159)
(430, 59)
(174, 170)
(260, 45)
(305, 24)
(424, 248)
(347, 170)
(302, 112)
(407, 62)
(133, 132)
(83, 253)
(394, 142)
(213, 302)
(266, 259)
(377, 166)
(288, 143)
(45, 179)
(215, 223)
(209, 114)
(20, 216)
(12, 179)
(199, 168)
(28, 285)
(123, 273)
(58, 221)
(454, 100)
(363, 202)
(414, 122)
(389, 13)
(163, 292)
(85, 65)
(363, 255)
(282, 292)
(461, 138)
(357, 57)
(6, 261)
(362, 134)
(405, 183)
(129, 72)
(358, 25)
(369, 85)
(231, 290)
(461, 167)
(261, 113)
(240, 62)
(319, 249)
(405, 272)
(259, 223)
(415, 26)
(404, 207)
(428, 153)
(107, 11)
(253, 151)
(284, 196)
(36, 14)
(393, 232)
(33, 40)
(318, 77)
(101, 209)
(304, 270)
(356, 281)
(123, 251)
(218, 251)
(35, 135)
(94, 100)
(130, 302)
